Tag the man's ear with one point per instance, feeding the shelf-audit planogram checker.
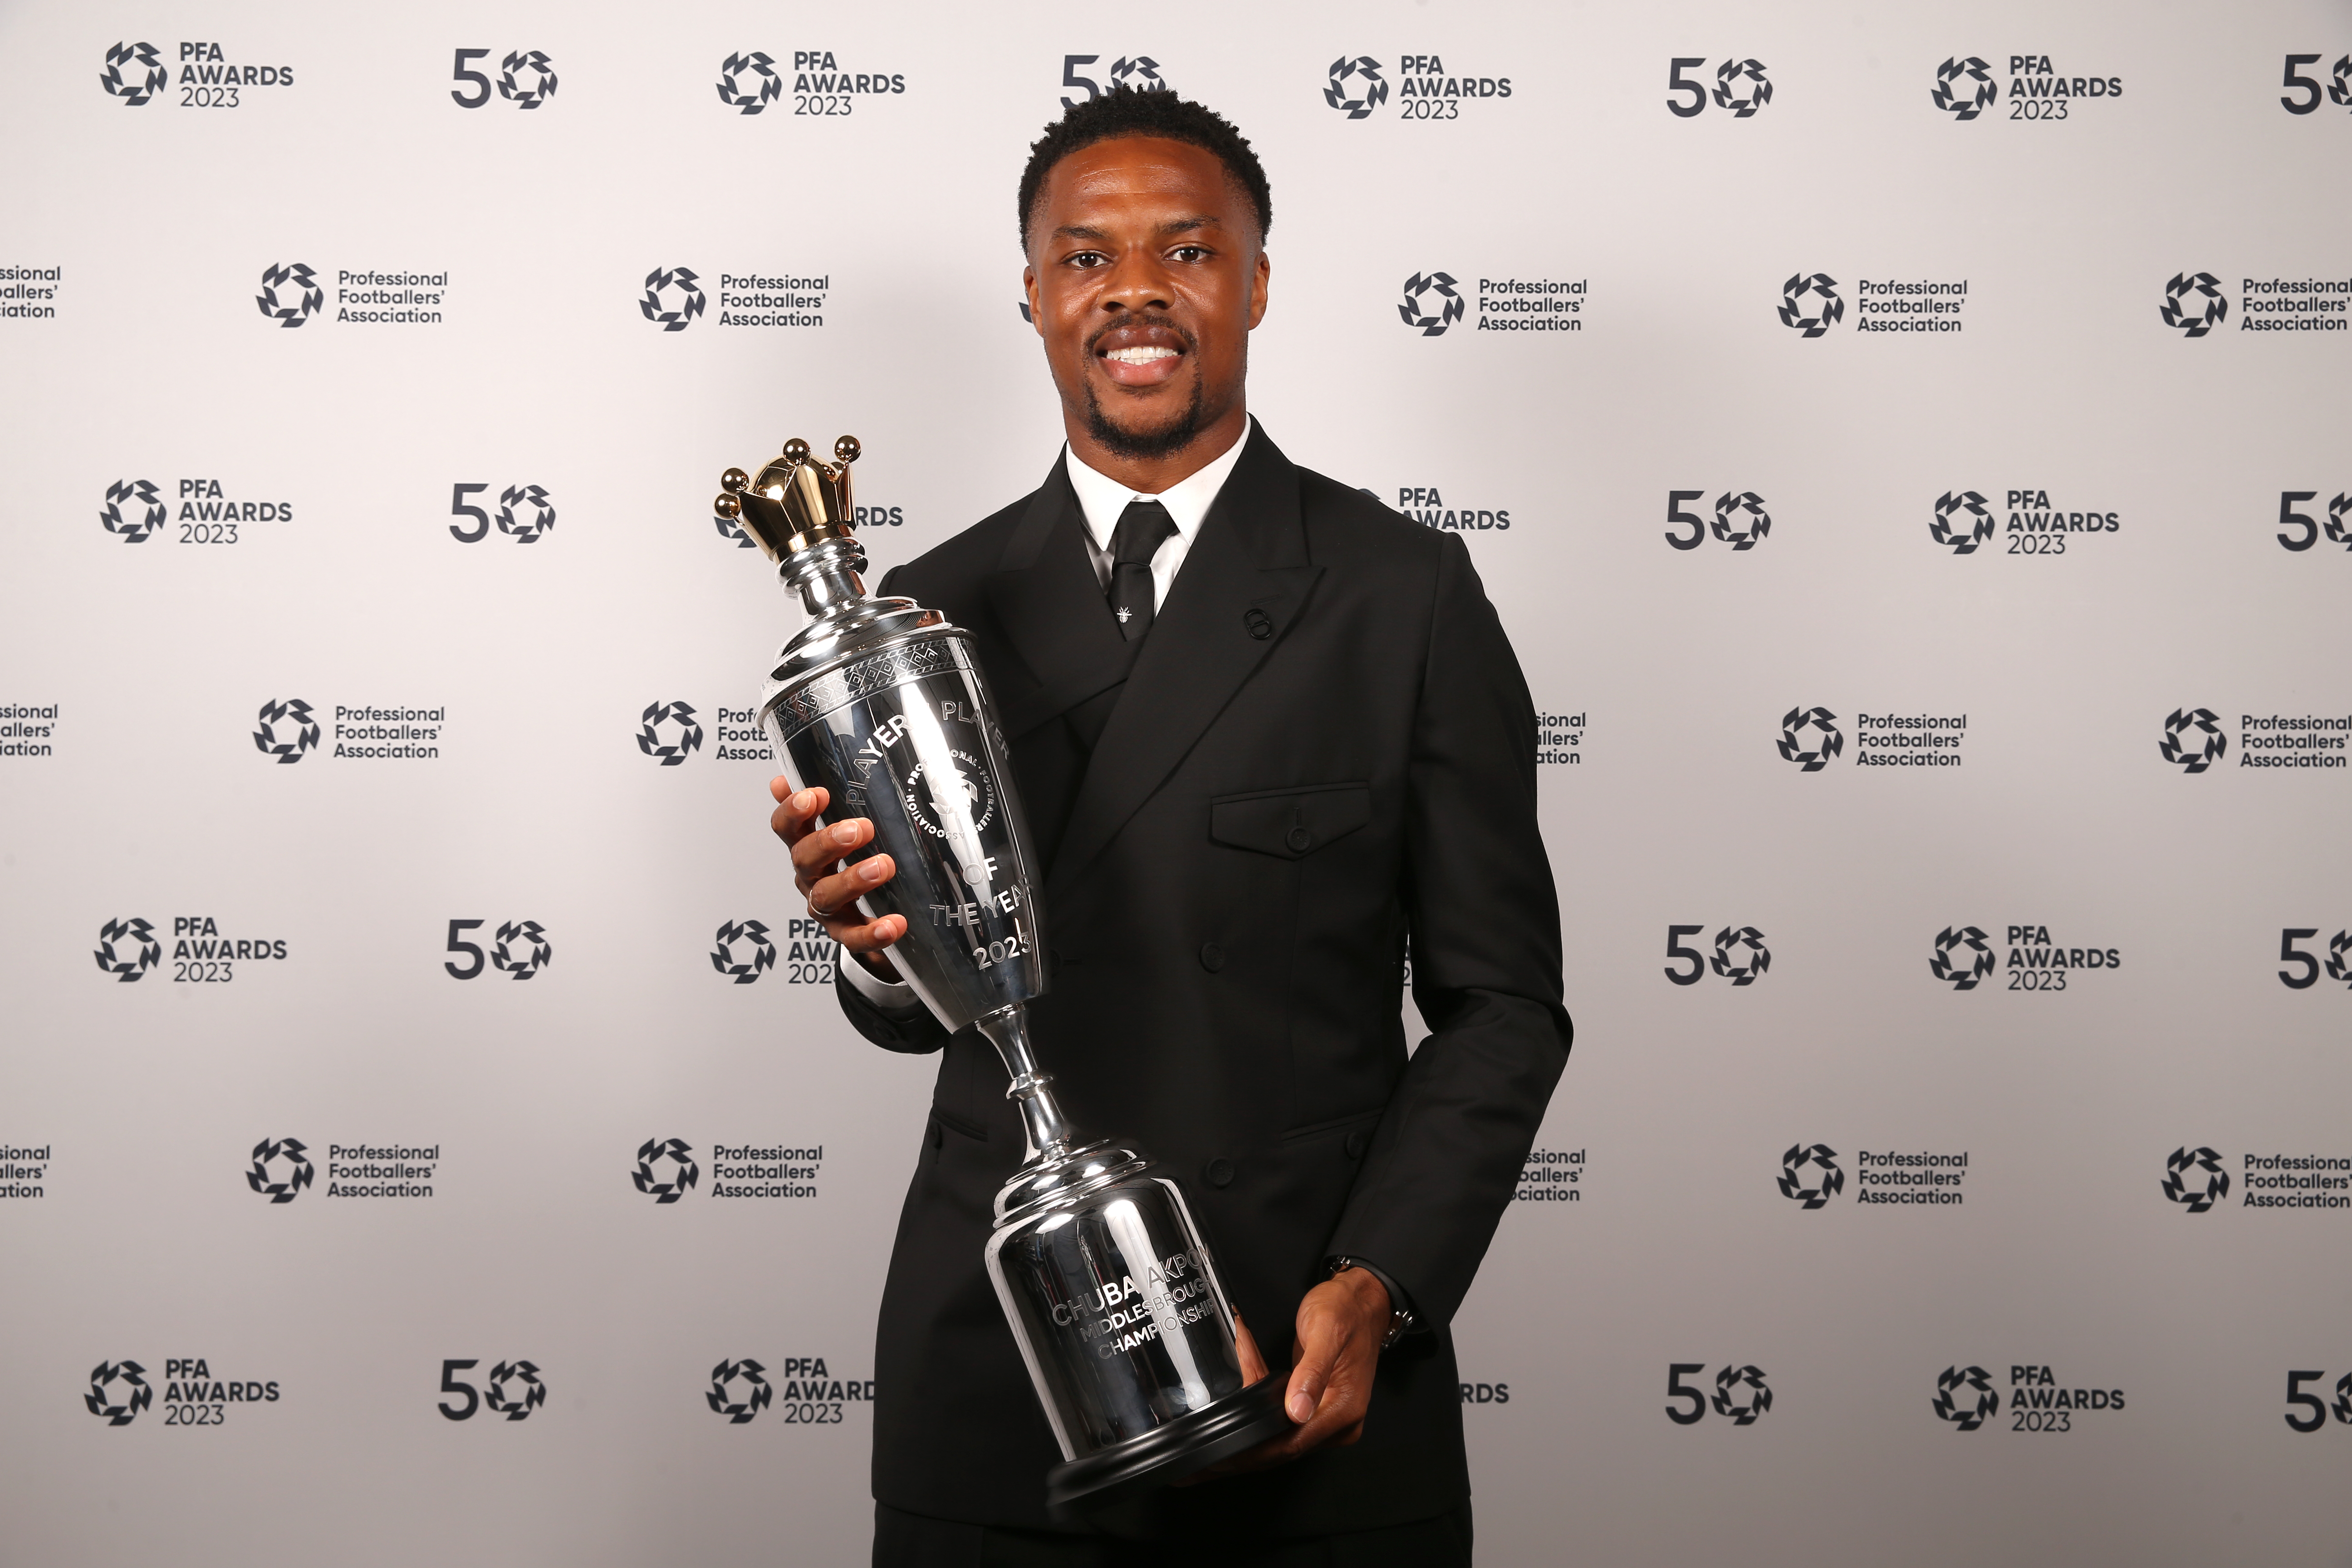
(1036, 315)
(1257, 291)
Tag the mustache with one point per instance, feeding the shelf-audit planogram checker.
(1147, 319)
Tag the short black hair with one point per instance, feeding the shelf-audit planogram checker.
(1153, 111)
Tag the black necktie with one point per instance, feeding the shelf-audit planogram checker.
(1142, 527)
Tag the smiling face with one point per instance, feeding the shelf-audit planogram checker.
(1146, 275)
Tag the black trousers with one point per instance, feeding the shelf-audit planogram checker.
(915, 1541)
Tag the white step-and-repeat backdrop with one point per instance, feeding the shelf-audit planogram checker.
(1908, 451)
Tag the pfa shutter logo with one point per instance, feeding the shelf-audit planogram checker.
(666, 1169)
(281, 1169)
(756, 1395)
(1964, 87)
(522, 950)
(127, 949)
(2193, 304)
(1740, 956)
(1740, 86)
(673, 297)
(118, 1391)
(1431, 317)
(1810, 738)
(659, 723)
(1356, 87)
(1740, 1392)
(2193, 740)
(758, 958)
(2194, 1178)
(1810, 303)
(286, 730)
(527, 78)
(291, 294)
(1963, 521)
(134, 510)
(1740, 521)
(748, 82)
(1966, 1397)
(134, 73)
(525, 513)
(1963, 957)
(1809, 1175)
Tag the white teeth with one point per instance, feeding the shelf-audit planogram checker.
(1139, 356)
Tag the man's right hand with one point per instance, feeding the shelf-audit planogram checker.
(830, 888)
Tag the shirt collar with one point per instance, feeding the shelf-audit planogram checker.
(1102, 499)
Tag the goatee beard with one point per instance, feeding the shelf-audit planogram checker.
(1135, 444)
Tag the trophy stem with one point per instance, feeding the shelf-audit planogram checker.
(1048, 1131)
(827, 575)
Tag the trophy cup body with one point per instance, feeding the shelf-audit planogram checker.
(1109, 1290)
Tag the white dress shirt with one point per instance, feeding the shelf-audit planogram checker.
(1101, 500)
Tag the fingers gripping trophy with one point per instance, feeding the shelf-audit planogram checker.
(1110, 1291)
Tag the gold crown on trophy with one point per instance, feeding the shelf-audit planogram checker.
(796, 502)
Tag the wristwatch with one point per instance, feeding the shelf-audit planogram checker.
(1401, 1320)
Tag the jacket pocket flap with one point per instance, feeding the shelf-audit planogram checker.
(1290, 821)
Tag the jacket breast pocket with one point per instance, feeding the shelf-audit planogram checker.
(1289, 822)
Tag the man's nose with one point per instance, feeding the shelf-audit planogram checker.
(1138, 282)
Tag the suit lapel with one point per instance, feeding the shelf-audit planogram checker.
(1052, 610)
(1247, 567)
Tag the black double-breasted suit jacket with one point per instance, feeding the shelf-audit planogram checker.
(1323, 752)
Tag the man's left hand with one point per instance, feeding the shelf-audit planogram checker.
(1340, 1325)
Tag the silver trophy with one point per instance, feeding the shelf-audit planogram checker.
(1101, 1269)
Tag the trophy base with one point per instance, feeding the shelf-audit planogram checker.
(1189, 1443)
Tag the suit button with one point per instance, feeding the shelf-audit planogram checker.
(1298, 838)
(1356, 1142)
(1218, 1173)
(1212, 957)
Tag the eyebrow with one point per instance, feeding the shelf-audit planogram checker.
(1174, 225)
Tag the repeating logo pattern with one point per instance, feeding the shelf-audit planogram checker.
(2194, 1177)
(304, 297)
(526, 79)
(1728, 1401)
(758, 1392)
(263, 1177)
(1356, 87)
(149, 75)
(677, 1156)
(1450, 304)
(144, 951)
(537, 518)
(659, 715)
(1964, 87)
(1954, 1388)
(1963, 956)
(1740, 86)
(301, 735)
(752, 96)
(516, 1406)
(522, 949)
(1809, 1175)
(1810, 303)
(149, 510)
(1810, 738)
(1740, 955)
(2193, 303)
(2194, 738)
(664, 283)
(137, 1395)
(1963, 520)
(744, 971)
(1740, 519)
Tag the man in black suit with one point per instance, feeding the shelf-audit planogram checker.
(1268, 734)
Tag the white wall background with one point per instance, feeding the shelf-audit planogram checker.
(144, 1099)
